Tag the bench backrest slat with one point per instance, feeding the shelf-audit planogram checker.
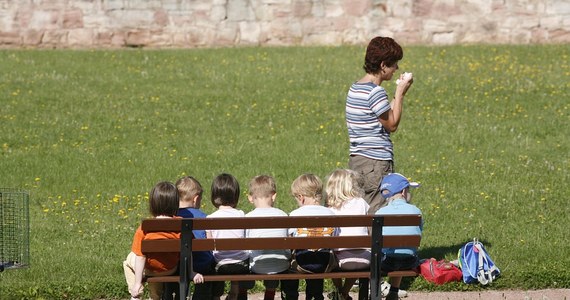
(150, 246)
(154, 225)
(402, 220)
(282, 222)
(280, 243)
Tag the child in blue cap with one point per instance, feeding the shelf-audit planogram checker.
(395, 188)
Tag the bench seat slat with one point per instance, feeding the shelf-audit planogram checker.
(281, 243)
(168, 278)
(282, 222)
(287, 276)
(301, 242)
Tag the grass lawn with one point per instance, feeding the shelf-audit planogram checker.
(88, 133)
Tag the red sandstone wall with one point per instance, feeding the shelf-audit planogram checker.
(211, 23)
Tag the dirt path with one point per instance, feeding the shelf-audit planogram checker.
(549, 294)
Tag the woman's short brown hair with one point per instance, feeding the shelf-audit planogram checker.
(381, 49)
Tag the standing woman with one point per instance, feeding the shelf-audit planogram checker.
(371, 117)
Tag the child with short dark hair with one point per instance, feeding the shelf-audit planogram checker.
(163, 203)
(225, 196)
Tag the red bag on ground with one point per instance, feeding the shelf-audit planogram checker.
(440, 272)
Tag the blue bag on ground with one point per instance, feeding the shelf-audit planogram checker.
(476, 265)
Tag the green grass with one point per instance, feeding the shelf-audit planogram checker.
(88, 133)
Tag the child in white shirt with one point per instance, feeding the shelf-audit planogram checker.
(262, 194)
(225, 196)
(307, 190)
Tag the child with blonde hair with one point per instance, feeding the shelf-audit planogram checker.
(344, 197)
(307, 190)
(262, 194)
(190, 194)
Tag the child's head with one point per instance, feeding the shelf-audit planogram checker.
(262, 191)
(163, 199)
(225, 190)
(343, 185)
(396, 185)
(307, 187)
(190, 192)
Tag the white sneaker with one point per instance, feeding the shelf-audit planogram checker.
(385, 289)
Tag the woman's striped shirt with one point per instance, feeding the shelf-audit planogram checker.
(364, 105)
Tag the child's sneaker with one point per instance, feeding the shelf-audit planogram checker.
(385, 289)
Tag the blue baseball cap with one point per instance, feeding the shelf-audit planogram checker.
(394, 183)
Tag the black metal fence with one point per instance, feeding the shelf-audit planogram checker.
(14, 229)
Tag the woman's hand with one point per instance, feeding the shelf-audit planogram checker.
(404, 82)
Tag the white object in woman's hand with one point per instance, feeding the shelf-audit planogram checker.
(406, 76)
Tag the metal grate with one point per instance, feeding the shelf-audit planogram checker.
(14, 229)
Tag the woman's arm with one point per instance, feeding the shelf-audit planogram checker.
(390, 120)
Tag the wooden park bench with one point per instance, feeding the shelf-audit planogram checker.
(376, 241)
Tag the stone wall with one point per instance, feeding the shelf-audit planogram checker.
(213, 23)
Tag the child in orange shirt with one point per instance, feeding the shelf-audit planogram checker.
(163, 203)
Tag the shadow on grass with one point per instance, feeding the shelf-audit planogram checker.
(437, 253)
(443, 251)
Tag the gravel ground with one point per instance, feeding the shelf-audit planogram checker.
(549, 294)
